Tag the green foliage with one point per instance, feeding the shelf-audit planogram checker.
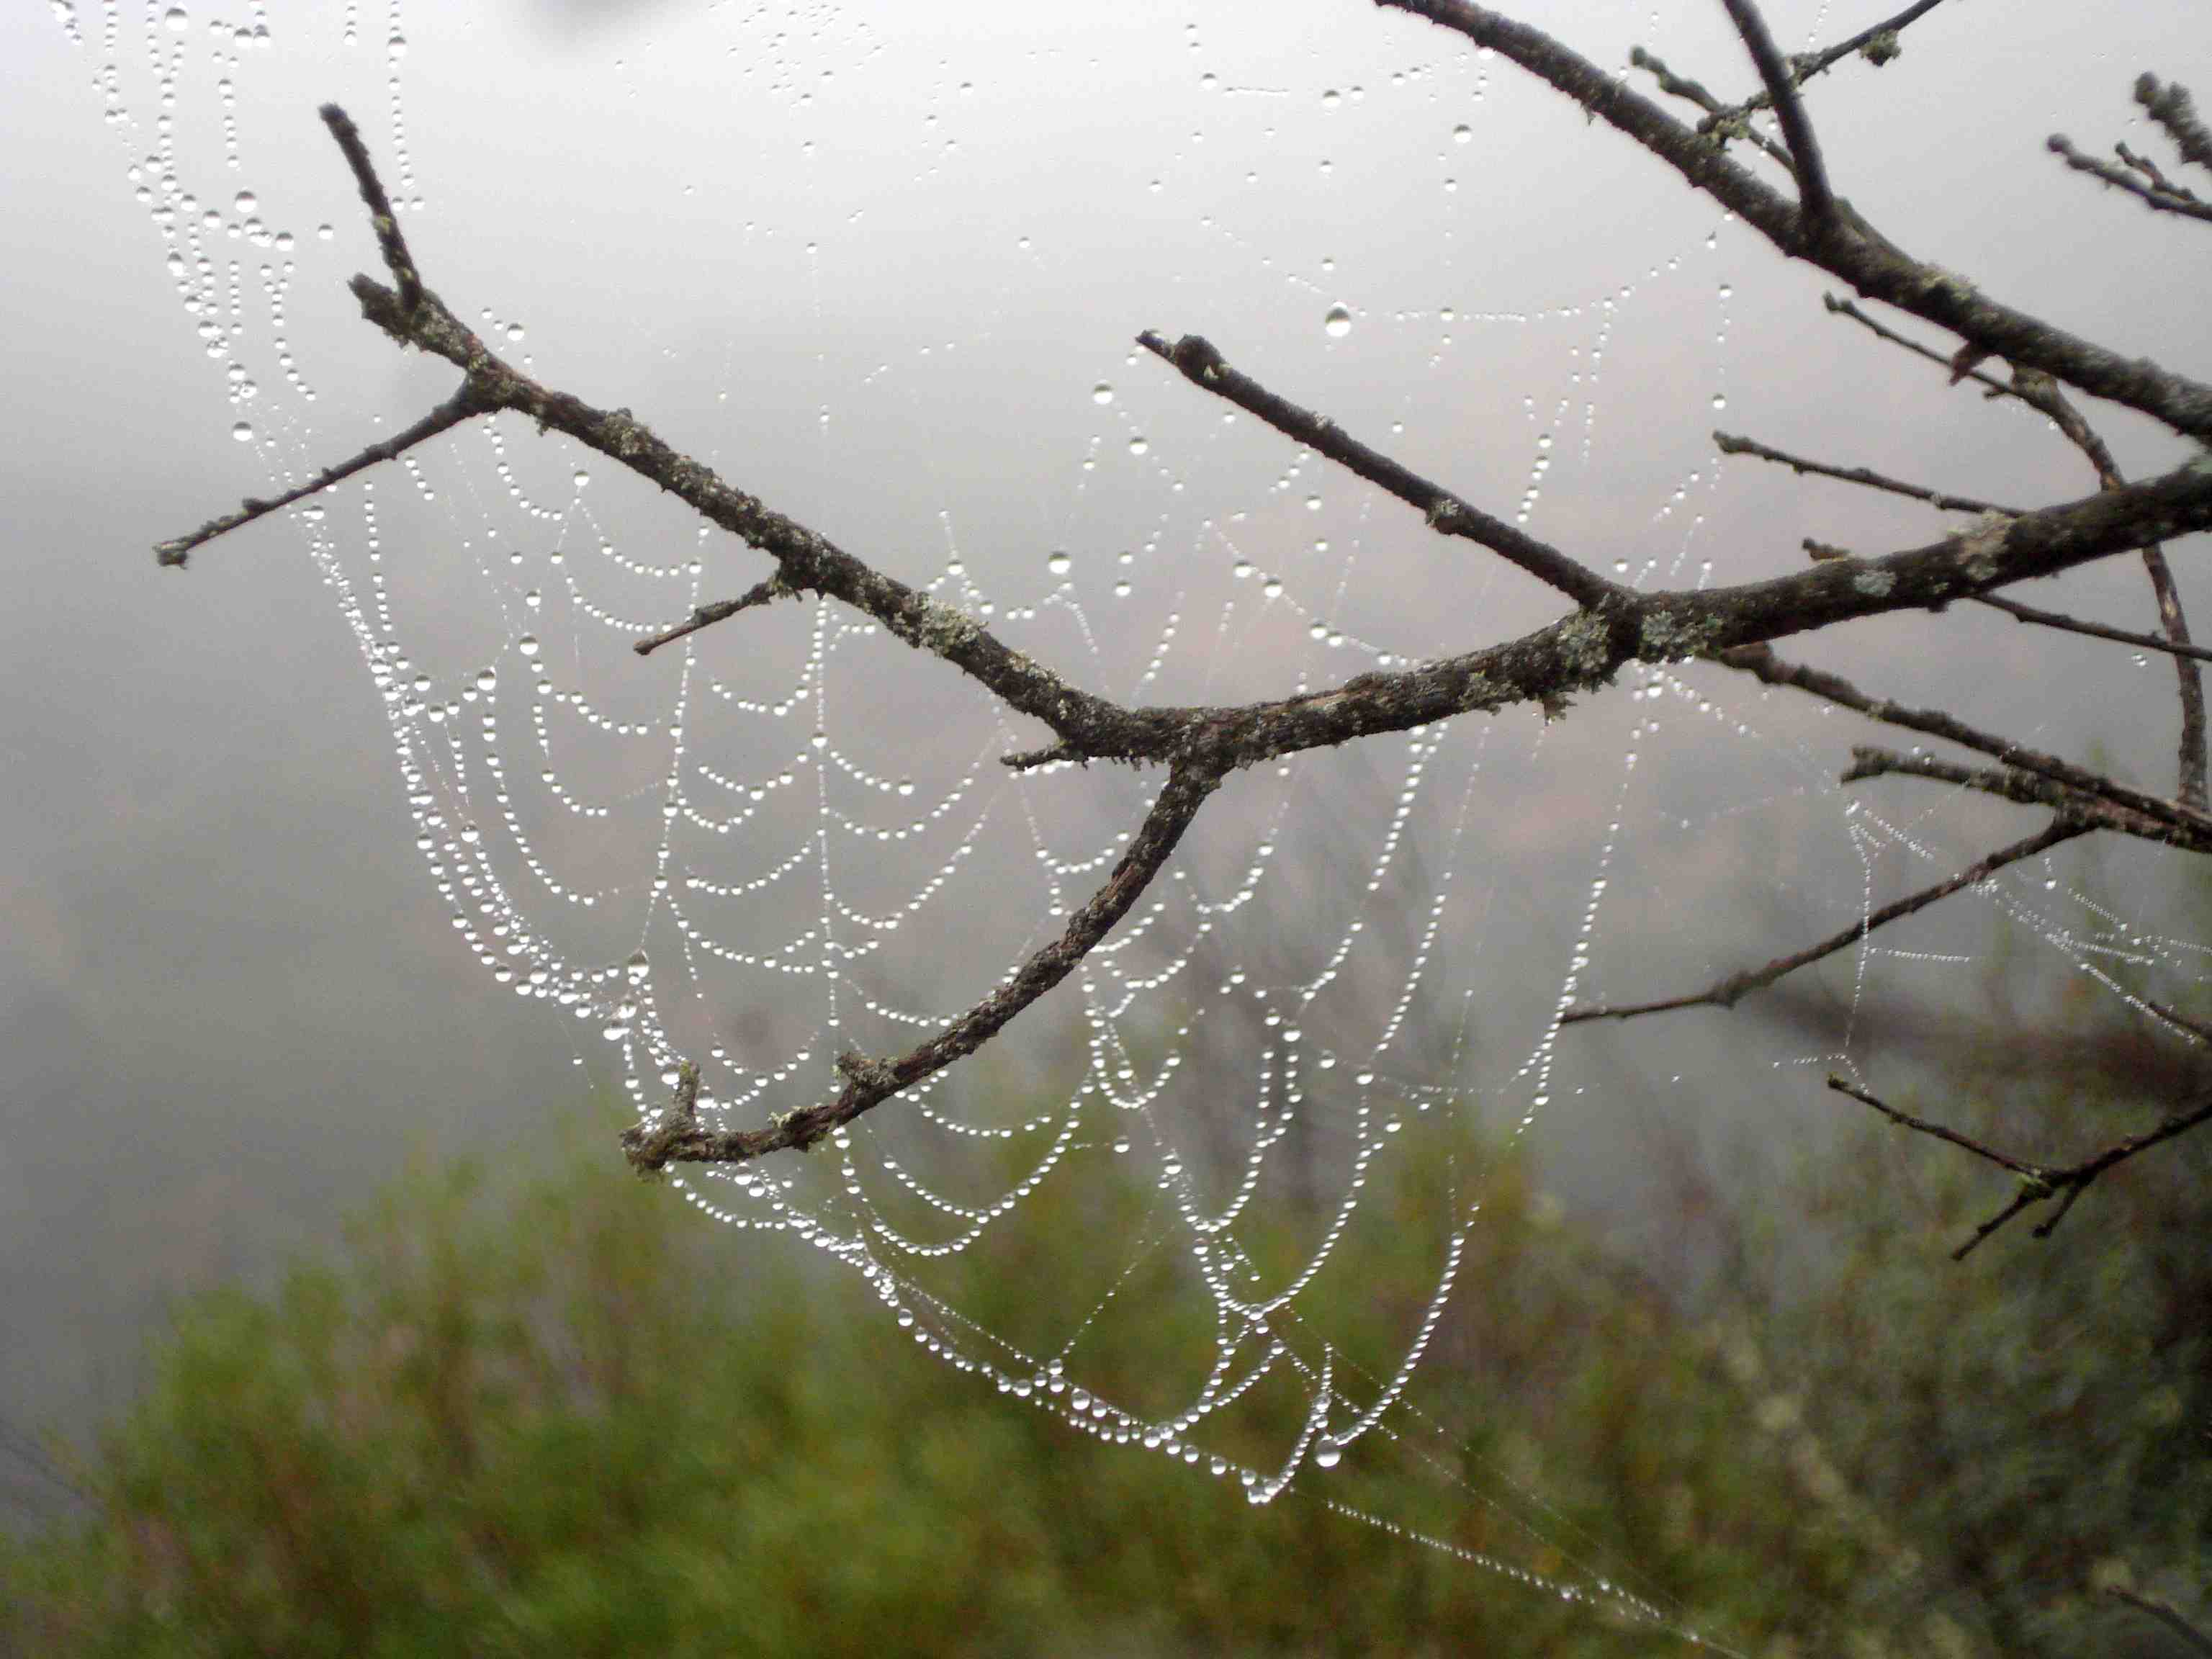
(579, 1419)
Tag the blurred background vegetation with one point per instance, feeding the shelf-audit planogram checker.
(569, 1415)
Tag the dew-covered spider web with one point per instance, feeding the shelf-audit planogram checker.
(884, 271)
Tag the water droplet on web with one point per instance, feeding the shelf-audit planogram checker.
(1328, 1455)
(243, 432)
(582, 478)
(1058, 563)
(1138, 445)
(527, 645)
(246, 201)
(1331, 99)
(175, 19)
(487, 679)
(1337, 322)
(1462, 134)
(1720, 400)
(1102, 392)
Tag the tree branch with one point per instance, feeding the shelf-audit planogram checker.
(1675, 86)
(1877, 40)
(721, 610)
(1763, 663)
(1814, 196)
(451, 413)
(1868, 262)
(2165, 1614)
(2028, 613)
(1199, 363)
(2171, 107)
(2158, 198)
(2041, 393)
(1202, 743)
(2038, 1183)
(2174, 828)
(1727, 444)
(1726, 992)
(678, 1137)
(389, 240)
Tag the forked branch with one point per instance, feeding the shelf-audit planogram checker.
(680, 1138)
(2038, 1183)
(1610, 626)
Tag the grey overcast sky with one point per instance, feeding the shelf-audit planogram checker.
(872, 261)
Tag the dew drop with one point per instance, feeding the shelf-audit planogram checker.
(1336, 323)
(1102, 392)
(175, 19)
(1060, 564)
(527, 645)
(1462, 134)
(1328, 1455)
(245, 202)
(243, 432)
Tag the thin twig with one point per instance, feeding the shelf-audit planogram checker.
(2158, 200)
(1728, 444)
(2038, 1183)
(2165, 1614)
(1880, 330)
(2175, 827)
(1761, 662)
(2171, 107)
(1675, 86)
(2028, 613)
(451, 413)
(1898, 1115)
(1199, 363)
(1805, 66)
(707, 615)
(1814, 194)
(2151, 170)
(382, 220)
(1726, 992)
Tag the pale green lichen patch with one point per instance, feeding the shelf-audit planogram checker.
(1873, 581)
(944, 630)
(1585, 644)
(1670, 636)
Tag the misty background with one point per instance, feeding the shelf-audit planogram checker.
(874, 269)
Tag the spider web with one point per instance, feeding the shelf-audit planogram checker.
(878, 273)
